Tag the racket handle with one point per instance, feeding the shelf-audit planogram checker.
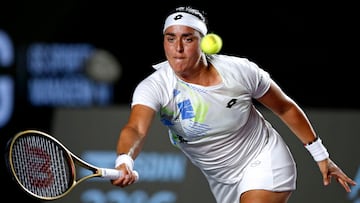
(113, 174)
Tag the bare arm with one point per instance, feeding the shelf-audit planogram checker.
(131, 140)
(297, 121)
(132, 136)
(289, 112)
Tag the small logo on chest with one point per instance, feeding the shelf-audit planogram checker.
(231, 103)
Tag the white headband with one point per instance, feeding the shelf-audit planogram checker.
(182, 18)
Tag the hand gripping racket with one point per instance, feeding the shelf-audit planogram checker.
(45, 168)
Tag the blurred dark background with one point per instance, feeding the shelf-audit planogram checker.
(310, 50)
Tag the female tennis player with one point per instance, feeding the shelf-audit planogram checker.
(206, 101)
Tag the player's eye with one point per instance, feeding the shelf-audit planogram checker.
(170, 39)
(188, 39)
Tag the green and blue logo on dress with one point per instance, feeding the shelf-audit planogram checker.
(186, 113)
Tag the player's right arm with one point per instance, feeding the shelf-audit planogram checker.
(131, 141)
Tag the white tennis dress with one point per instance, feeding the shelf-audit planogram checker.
(219, 129)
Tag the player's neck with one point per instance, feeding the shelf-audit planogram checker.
(204, 76)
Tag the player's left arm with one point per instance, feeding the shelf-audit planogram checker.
(297, 121)
(289, 112)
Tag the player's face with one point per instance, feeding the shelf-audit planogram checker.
(182, 49)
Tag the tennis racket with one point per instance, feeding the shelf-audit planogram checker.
(45, 168)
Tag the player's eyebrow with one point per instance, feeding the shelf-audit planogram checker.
(187, 34)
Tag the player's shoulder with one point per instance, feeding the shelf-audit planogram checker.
(163, 68)
(229, 59)
(163, 75)
(160, 65)
(232, 63)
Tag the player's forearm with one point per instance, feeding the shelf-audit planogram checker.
(299, 124)
(130, 142)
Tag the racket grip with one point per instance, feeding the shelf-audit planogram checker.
(113, 174)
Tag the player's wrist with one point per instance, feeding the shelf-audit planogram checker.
(124, 158)
(317, 150)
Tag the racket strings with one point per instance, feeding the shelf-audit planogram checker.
(42, 166)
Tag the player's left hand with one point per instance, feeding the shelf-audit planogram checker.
(330, 170)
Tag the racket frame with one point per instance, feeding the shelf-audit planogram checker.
(72, 160)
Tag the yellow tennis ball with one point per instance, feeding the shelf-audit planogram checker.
(211, 43)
